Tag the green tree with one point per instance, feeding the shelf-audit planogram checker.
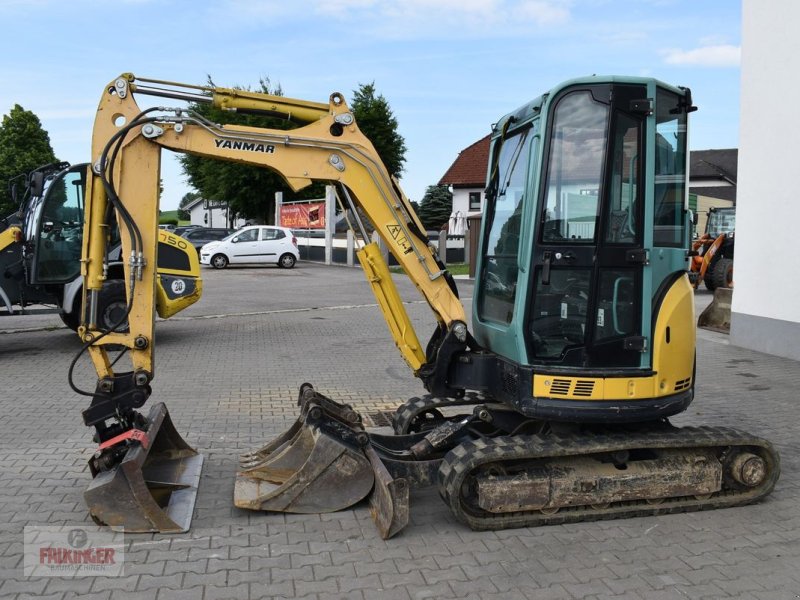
(376, 121)
(24, 146)
(248, 190)
(188, 197)
(436, 206)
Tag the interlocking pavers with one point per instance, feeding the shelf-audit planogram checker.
(230, 383)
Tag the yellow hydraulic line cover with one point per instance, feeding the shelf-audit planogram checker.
(379, 277)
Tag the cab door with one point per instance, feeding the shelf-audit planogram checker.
(54, 227)
(244, 246)
(586, 308)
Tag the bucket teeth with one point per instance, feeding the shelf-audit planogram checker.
(322, 463)
(154, 487)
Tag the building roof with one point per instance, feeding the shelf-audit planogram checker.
(714, 164)
(469, 169)
(722, 192)
(193, 203)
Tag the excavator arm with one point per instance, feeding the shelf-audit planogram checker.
(126, 149)
(328, 146)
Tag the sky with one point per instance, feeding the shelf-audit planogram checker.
(448, 68)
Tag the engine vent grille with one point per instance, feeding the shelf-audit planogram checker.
(683, 384)
(583, 388)
(560, 387)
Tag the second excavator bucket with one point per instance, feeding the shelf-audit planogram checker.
(322, 463)
(154, 487)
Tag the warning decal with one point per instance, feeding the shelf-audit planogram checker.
(396, 233)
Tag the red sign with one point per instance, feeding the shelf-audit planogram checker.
(303, 216)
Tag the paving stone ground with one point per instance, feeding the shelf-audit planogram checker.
(229, 369)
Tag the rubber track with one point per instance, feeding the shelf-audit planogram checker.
(460, 462)
(413, 407)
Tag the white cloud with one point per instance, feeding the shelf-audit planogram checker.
(416, 18)
(341, 8)
(544, 12)
(721, 55)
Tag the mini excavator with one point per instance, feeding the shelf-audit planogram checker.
(552, 407)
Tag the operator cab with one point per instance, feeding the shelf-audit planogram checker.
(54, 223)
(721, 220)
(585, 224)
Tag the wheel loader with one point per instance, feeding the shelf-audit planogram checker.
(40, 252)
(712, 253)
(552, 407)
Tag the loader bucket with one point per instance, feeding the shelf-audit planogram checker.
(154, 488)
(717, 315)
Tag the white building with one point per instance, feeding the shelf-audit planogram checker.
(467, 178)
(212, 214)
(766, 299)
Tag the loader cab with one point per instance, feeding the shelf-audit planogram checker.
(585, 225)
(54, 223)
(721, 221)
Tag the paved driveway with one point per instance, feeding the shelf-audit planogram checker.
(229, 369)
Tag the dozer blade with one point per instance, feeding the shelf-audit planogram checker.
(154, 487)
(322, 463)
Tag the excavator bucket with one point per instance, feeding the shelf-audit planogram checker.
(322, 463)
(389, 501)
(154, 488)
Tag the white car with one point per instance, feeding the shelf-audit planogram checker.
(254, 244)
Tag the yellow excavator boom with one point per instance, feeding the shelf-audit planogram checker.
(126, 152)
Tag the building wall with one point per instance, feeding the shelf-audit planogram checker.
(461, 200)
(215, 217)
(766, 299)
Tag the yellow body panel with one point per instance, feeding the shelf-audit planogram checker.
(171, 302)
(9, 236)
(673, 360)
(166, 306)
(674, 339)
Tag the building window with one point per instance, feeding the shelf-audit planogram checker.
(475, 200)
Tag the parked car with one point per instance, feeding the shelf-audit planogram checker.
(254, 244)
(200, 236)
(185, 228)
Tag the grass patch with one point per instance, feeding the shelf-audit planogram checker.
(167, 216)
(454, 269)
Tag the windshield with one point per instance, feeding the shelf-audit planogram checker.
(230, 236)
(504, 218)
(721, 221)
